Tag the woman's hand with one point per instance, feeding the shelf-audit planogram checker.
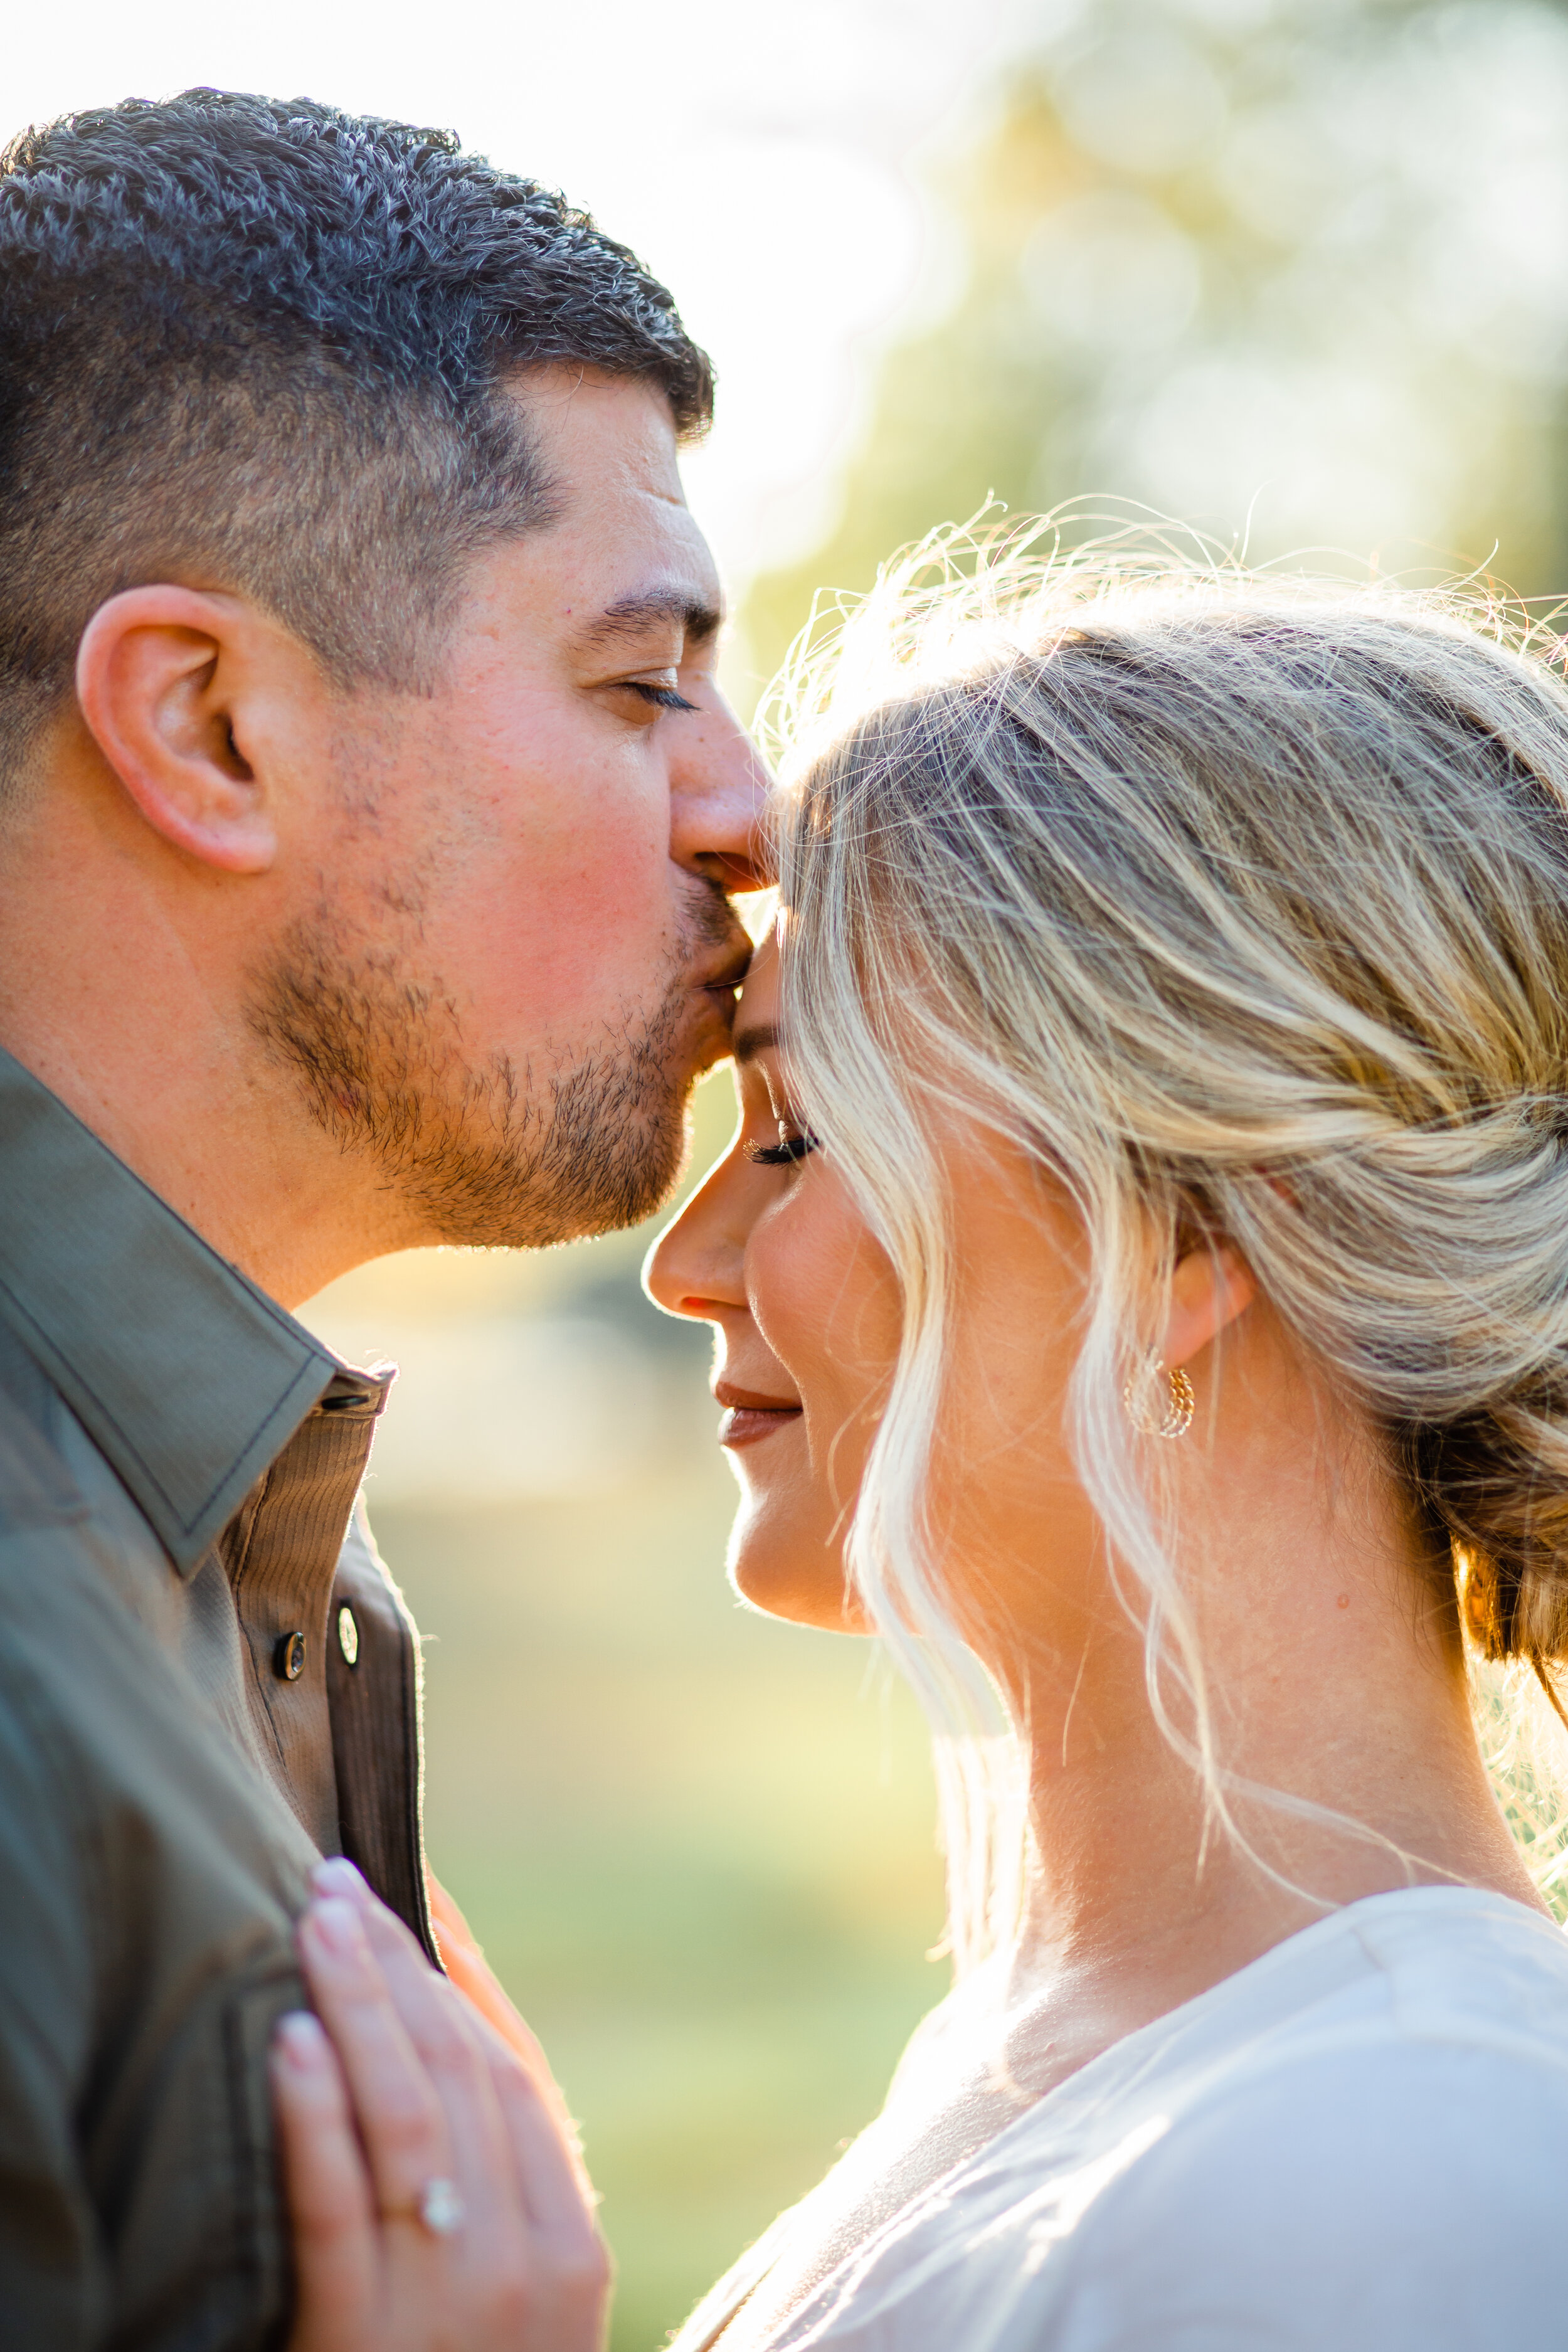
(435, 2196)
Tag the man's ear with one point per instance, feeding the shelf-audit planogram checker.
(1213, 1286)
(160, 674)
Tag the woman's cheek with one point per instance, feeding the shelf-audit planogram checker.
(819, 1291)
(826, 1300)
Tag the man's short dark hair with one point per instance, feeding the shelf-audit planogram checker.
(257, 345)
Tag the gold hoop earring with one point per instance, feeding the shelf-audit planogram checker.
(1176, 1417)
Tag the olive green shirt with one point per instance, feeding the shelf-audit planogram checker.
(206, 1681)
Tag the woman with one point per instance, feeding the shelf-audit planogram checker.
(1141, 1282)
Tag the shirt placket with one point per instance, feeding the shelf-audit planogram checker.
(281, 1553)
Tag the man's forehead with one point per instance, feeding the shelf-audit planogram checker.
(622, 540)
(594, 430)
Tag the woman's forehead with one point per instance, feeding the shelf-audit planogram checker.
(758, 998)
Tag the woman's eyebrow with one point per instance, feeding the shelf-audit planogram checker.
(750, 1042)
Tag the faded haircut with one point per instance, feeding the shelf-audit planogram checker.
(257, 345)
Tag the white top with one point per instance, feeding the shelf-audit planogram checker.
(1360, 2141)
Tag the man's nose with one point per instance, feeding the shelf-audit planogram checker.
(720, 787)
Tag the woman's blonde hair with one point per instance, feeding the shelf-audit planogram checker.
(1243, 904)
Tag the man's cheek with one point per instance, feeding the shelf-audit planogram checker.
(547, 935)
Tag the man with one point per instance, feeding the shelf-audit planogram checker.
(367, 808)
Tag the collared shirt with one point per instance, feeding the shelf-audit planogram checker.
(206, 1681)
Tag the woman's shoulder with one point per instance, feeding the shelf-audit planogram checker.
(1485, 1964)
(1391, 1983)
(1371, 2156)
(1359, 2140)
(1427, 1967)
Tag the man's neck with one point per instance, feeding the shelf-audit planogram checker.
(140, 1029)
(275, 1214)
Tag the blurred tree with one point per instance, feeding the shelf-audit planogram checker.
(1293, 272)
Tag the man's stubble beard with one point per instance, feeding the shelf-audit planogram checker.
(486, 1154)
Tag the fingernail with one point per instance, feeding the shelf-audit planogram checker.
(300, 2040)
(336, 1876)
(337, 1923)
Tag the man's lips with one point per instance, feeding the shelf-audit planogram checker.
(748, 1415)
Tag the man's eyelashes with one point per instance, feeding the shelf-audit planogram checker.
(666, 697)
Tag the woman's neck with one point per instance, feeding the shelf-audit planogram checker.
(1343, 1757)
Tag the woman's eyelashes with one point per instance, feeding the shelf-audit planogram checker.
(787, 1149)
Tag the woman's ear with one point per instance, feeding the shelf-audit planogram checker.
(160, 674)
(1212, 1286)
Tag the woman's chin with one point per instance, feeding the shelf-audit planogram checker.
(804, 1587)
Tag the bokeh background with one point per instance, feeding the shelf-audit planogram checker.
(1294, 271)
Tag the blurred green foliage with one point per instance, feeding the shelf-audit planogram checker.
(1289, 272)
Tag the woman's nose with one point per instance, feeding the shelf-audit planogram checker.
(697, 1265)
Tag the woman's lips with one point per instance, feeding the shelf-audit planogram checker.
(743, 1424)
(749, 1416)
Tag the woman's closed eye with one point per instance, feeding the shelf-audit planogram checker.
(665, 697)
(790, 1148)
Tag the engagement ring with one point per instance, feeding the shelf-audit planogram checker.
(441, 2208)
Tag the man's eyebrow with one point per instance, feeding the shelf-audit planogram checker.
(757, 1039)
(635, 616)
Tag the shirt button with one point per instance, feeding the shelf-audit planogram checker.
(289, 1657)
(348, 1636)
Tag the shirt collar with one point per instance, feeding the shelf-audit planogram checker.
(189, 1379)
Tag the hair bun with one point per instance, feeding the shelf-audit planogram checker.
(1494, 1486)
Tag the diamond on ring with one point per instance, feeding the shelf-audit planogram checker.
(441, 2208)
